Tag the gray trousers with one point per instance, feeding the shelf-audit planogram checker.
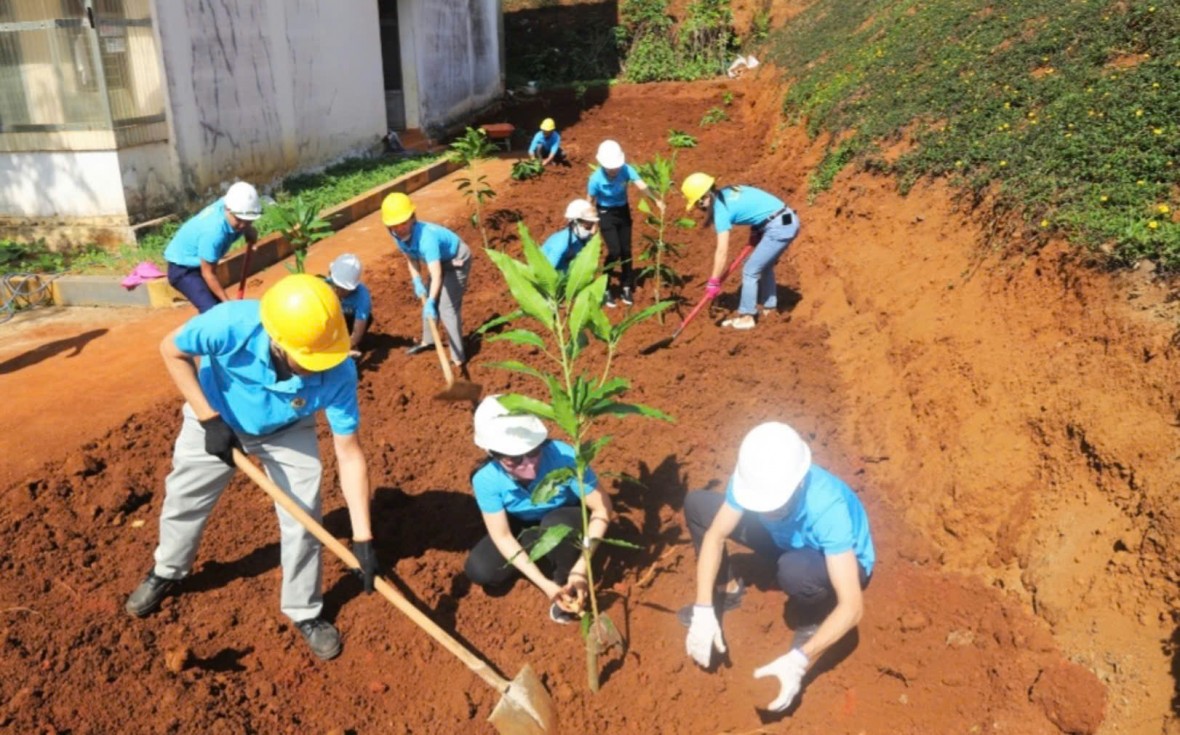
(291, 458)
(450, 305)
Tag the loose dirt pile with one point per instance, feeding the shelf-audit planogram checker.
(1008, 423)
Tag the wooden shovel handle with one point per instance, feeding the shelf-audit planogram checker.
(387, 590)
(443, 360)
(245, 271)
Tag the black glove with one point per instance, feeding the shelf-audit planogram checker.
(220, 440)
(367, 558)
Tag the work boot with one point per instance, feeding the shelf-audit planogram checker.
(608, 299)
(627, 296)
(322, 637)
(147, 596)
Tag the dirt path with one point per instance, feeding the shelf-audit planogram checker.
(1007, 422)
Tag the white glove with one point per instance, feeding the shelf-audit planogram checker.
(789, 669)
(704, 634)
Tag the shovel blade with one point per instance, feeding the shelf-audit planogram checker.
(525, 707)
(655, 346)
(461, 390)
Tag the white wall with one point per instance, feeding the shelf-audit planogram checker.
(451, 58)
(259, 88)
(45, 185)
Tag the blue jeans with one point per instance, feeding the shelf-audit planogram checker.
(758, 284)
(191, 283)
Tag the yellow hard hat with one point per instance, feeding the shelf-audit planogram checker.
(302, 315)
(396, 209)
(548, 125)
(696, 186)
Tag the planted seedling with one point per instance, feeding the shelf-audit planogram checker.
(469, 149)
(527, 168)
(302, 226)
(659, 177)
(681, 139)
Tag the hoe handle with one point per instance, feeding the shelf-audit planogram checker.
(706, 299)
(387, 590)
(443, 360)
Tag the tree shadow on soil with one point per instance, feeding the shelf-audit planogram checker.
(649, 494)
(1173, 647)
(49, 349)
(224, 661)
(377, 348)
(215, 574)
(406, 526)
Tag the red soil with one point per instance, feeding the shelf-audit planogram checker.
(1009, 423)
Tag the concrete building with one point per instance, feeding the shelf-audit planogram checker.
(113, 112)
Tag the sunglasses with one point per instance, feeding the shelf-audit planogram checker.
(518, 459)
(586, 223)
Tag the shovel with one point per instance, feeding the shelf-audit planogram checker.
(245, 271)
(456, 390)
(525, 707)
(667, 341)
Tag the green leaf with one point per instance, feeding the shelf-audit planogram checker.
(600, 326)
(563, 410)
(585, 304)
(613, 408)
(583, 268)
(518, 404)
(497, 321)
(618, 330)
(611, 388)
(543, 272)
(517, 367)
(687, 223)
(525, 293)
(549, 540)
(520, 337)
(643, 206)
(620, 542)
(587, 452)
(550, 484)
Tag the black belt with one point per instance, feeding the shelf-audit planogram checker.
(785, 213)
(619, 208)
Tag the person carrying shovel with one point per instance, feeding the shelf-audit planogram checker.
(448, 264)
(266, 368)
(520, 455)
(200, 243)
(809, 523)
(773, 227)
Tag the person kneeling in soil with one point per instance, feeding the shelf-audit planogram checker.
(266, 369)
(520, 456)
(563, 246)
(809, 522)
(448, 263)
(546, 144)
(200, 243)
(773, 227)
(345, 276)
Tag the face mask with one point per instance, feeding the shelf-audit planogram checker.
(583, 233)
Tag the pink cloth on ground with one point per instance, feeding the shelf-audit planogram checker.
(142, 273)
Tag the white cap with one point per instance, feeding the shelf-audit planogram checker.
(581, 209)
(346, 271)
(242, 201)
(772, 461)
(610, 155)
(497, 431)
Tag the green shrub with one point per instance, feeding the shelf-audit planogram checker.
(681, 139)
(527, 168)
(713, 116)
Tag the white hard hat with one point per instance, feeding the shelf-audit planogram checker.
(772, 461)
(242, 201)
(581, 209)
(497, 431)
(346, 271)
(610, 155)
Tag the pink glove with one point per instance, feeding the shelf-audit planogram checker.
(712, 288)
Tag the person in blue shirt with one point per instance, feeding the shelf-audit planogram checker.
(809, 523)
(266, 369)
(344, 275)
(520, 456)
(546, 144)
(607, 188)
(773, 227)
(563, 246)
(448, 265)
(199, 244)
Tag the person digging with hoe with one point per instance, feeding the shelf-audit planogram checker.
(520, 455)
(266, 368)
(200, 243)
(809, 522)
(773, 227)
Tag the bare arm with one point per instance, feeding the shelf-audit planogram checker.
(182, 368)
(354, 484)
(645, 189)
(712, 546)
(412, 266)
(358, 333)
(720, 255)
(844, 572)
(209, 274)
(436, 276)
(601, 512)
(510, 548)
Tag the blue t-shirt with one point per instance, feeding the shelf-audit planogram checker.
(206, 236)
(429, 242)
(545, 142)
(611, 191)
(825, 515)
(238, 379)
(562, 247)
(496, 490)
(357, 303)
(743, 205)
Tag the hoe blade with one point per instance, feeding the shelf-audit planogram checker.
(461, 390)
(525, 708)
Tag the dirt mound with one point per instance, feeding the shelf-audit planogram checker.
(998, 484)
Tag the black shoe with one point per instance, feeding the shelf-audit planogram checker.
(147, 596)
(608, 299)
(415, 349)
(627, 297)
(722, 602)
(322, 637)
(557, 615)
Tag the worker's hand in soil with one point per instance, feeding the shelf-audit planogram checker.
(790, 670)
(367, 558)
(704, 634)
(220, 440)
(573, 596)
